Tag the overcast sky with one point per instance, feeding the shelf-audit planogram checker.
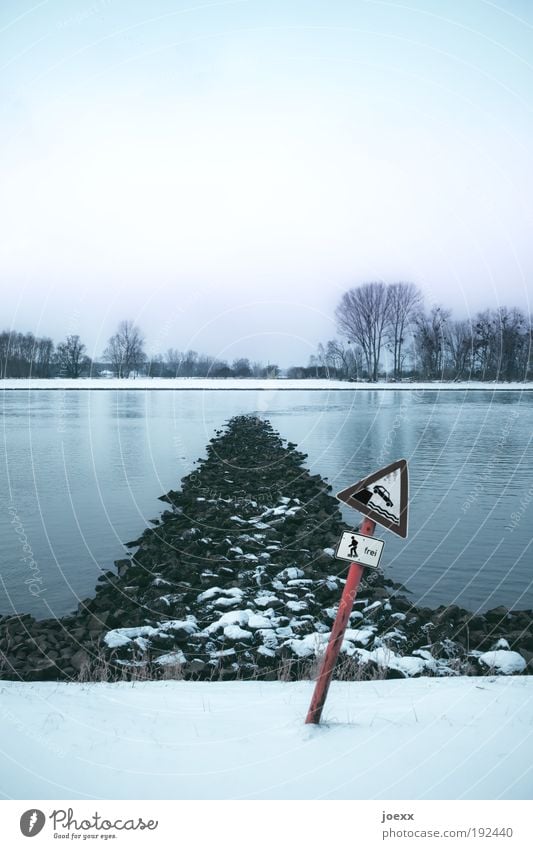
(221, 172)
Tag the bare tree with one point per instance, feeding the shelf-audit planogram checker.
(191, 365)
(404, 302)
(362, 316)
(173, 359)
(511, 327)
(24, 355)
(502, 344)
(125, 349)
(459, 339)
(241, 367)
(429, 340)
(71, 357)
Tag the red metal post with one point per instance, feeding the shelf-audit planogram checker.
(355, 573)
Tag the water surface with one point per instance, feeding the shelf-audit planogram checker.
(82, 471)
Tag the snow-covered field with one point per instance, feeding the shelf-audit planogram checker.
(242, 383)
(426, 738)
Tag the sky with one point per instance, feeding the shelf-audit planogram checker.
(221, 172)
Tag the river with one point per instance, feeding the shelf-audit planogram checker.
(82, 471)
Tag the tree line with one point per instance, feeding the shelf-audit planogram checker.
(25, 355)
(384, 332)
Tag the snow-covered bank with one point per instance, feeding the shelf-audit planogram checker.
(461, 738)
(245, 383)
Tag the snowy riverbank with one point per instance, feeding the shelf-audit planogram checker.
(461, 738)
(246, 383)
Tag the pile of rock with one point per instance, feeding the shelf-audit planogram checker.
(238, 579)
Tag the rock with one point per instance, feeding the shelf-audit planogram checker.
(43, 669)
(79, 660)
(497, 615)
(502, 662)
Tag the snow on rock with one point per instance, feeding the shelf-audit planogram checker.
(362, 636)
(356, 614)
(123, 636)
(233, 632)
(256, 621)
(387, 659)
(119, 637)
(231, 596)
(309, 646)
(232, 617)
(268, 638)
(266, 600)
(503, 662)
(290, 573)
(225, 601)
(266, 652)
(430, 661)
(174, 658)
(189, 625)
(296, 606)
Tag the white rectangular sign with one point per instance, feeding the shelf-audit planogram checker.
(360, 549)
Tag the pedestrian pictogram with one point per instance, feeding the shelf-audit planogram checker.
(382, 496)
(363, 549)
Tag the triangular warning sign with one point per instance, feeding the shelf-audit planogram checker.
(382, 497)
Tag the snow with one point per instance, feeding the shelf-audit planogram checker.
(265, 600)
(119, 637)
(256, 621)
(189, 625)
(245, 383)
(233, 632)
(233, 617)
(174, 658)
(297, 606)
(233, 592)
(291, 572)
(122, 636)
(425, 738)
(310, 645)
(360, 635)
(505, 662)
(225, 601)
(266, 652)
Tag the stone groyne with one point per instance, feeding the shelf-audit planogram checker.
(237, 579)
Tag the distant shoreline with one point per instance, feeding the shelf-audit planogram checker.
(255, 385)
